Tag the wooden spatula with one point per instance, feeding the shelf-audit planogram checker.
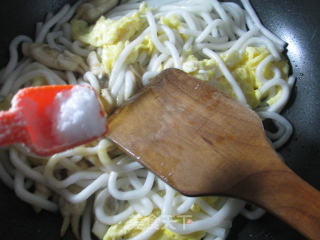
(202, 142)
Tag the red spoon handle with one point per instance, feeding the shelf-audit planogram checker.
(12, 127)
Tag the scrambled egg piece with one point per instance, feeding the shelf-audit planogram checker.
(108, 31)
(138, 223)
(112, 36)
(171, 21)
(110, 53)
(244, 71)
(243, 68)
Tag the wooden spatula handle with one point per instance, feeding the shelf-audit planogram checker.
(286, 195)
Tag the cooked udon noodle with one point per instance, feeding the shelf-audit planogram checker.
(98, 183)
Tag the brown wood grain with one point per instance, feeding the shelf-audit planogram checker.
(203, 143)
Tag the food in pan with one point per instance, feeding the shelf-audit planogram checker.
(117, 48)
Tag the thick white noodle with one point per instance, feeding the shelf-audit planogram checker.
(214, 46)
(51, 78)
(124, 168)
(67, 16)
(74, 47)
(79, 50)
(129, 85)
(116, 87)
(262, 41)
(13, 60)
(208, 30)
(147, 76)
(66, 29)
(174, 53)
(280, 43)
(124, 54)
(287, 127)
(237, 45)
(28, 197)
(224, 17)
(186, 205)
(23, 167)
(46, 27)
(97, 184)
(155, 65)
(229, 210)
(142, 206)
(154, 33)
(168, 199)
(51, 39)
(91, 78)
(206, 207)
(285, 93)
(6, 88)
(109, 219)
(236, 13)
(74, 178)
(158, 201)
(129, 195)
(262, 66)
(86, 222)
(170, 34)
(71, 78)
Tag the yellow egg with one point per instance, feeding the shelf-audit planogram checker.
(146, 46)
(137, 223)
(112, 36)
(213, 201)
(171, 21)
(108, 31)
(243, 68)
(202, 69)
(110, 54)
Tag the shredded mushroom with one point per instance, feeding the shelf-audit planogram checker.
(92, 10)
(53, 58)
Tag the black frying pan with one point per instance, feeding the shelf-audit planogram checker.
(295, 21)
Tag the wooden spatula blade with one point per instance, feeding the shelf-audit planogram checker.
(179, 123)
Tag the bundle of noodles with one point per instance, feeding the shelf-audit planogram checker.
(117, 49)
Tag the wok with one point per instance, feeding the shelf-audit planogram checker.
(295, 21)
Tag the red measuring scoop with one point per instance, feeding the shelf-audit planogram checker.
(51, 119)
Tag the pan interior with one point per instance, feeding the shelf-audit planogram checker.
(293, 21)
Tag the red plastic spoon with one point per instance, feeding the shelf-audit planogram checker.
(51, 119)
